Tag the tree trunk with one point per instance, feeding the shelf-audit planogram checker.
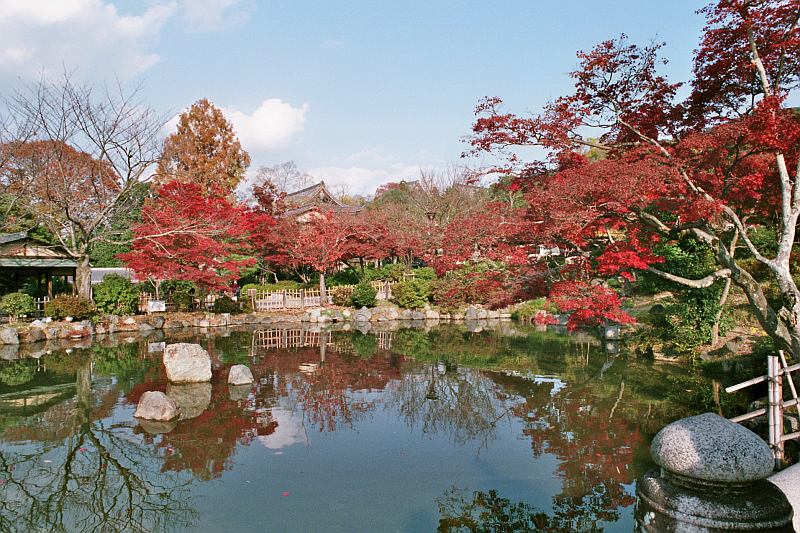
(83, 278)
(323, 293)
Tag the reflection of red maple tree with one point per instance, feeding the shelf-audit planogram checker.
(205, 444)
(330, 392)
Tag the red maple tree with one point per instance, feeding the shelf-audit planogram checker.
(189, 234)
(714, 166)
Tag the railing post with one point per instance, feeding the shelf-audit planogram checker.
(285, 300)
(775, 409)
(302, 298)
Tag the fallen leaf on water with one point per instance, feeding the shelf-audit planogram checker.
(285, 493)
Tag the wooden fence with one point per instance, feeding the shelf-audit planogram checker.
(303, 298)
(777, 370)
(145, 297)
(283, 299)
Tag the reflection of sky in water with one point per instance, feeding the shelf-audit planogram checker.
(289, 431)
(366, 439)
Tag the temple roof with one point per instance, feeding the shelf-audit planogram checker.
(21, 250)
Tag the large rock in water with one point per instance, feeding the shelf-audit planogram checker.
(9, 336)
(154, 405)
(240, 375)
(187, 363)
(712, 448)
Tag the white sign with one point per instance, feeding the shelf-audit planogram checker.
(156, 306)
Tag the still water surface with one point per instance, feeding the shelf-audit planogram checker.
(501, 428)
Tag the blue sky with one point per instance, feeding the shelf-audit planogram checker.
(356, 92)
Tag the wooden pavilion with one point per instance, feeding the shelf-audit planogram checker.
(303, 204)
(23, 256)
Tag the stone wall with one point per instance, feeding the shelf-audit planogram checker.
(39, 330)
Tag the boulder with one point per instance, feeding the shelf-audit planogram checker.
(471, 313)
(191, 398)
(187, 363)
(240, 375)
(9, 336)
(155, 405)
(363, 315)
(430, 314)
(711, 448)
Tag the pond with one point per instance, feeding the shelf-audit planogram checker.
(407, 430)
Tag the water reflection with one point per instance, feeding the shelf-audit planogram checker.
(73, 458)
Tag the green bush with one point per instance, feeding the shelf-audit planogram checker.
(18, 304)
(116, 295)
(281, 285)
(426, 273)
(65, 305)
(363, 296)
(412, 293)
(527, 310)
(392, 272)
(182, 299)
(340, 297)
(225, 304)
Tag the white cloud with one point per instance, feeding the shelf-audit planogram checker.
(331, 44)
(47, 36)
(364, 180)
(289, 431)
(204, 15)
(270, 127)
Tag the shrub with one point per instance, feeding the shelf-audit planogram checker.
(426, 273)
(392, 272)
(281, 285)
(182, 299)
(527, 310)
(18, 304)
(340, 297)
(116, 295)
(412, 293)
(65, 305)
(226, 304)
(363, 295)
(480, 283)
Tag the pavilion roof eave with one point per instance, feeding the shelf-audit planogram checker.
(36, 262)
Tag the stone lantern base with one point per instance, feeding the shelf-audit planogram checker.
(670, 502)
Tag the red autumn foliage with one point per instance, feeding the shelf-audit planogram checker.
(713, 166)
(187, 233)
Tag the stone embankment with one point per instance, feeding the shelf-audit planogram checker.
(43, 330)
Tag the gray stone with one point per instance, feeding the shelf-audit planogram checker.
(187, 363)
(711, 448)
(9, 336)
(670, 503)
(363, 315)
(471, 313)
(430, 314)
(154, 405)
(788, 481)
(37, 324)
(240, 375)
(191, 398)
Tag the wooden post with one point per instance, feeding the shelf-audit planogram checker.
(775, 409)
(302, 298)
(285, 302)
(49, 284)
